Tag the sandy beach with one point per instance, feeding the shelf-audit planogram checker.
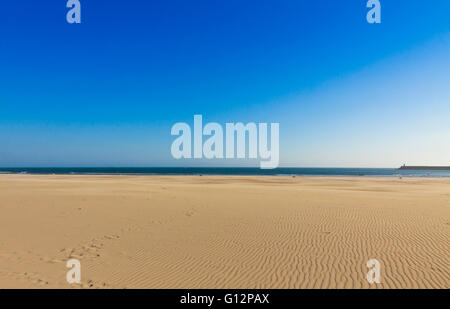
(223, 231)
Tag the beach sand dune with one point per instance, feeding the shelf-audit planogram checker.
(223, 231)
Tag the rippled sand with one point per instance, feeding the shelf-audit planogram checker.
(223, 231)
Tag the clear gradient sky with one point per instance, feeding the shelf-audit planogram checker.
(106, 92)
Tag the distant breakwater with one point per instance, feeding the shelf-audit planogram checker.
(425, 168)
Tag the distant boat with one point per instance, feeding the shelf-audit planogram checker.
(425, 168)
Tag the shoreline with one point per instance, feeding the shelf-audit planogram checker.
(387, 177)
(205, 171)
(226, 175)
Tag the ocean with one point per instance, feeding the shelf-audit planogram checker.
(286, 171)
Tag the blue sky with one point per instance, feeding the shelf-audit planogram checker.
(107, 91)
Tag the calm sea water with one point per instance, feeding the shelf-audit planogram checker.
(381, 172)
